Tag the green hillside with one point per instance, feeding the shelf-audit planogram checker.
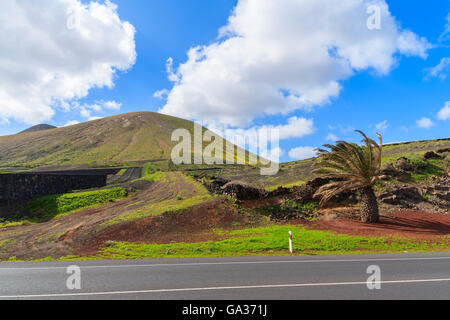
(118, 140)
(298, 172)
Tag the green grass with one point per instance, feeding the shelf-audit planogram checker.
(270, 240)
(433, 168)
(285, 185)
(192, 194)
(154, 177)
(150, 173)
(121, 172)
(267, 241)
(424, 169)
(148, 169)
(51, 206)
(156, 209)
(57, 206)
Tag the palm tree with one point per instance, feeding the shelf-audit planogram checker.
(352, 167)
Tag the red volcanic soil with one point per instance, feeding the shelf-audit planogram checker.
(403, 223)
(190, 225)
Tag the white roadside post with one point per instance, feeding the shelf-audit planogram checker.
(290, 242)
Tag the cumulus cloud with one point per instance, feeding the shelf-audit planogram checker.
(425, 123)
(439, 71)
(54, 56)
(111, 105)
(275, 57)
(294, 128)
(444, 113)
(86, 110)
(250, 138)
(302, 153)
(410, 44)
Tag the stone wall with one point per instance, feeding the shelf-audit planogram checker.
(17, 188)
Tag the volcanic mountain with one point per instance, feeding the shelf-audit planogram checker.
(39, 127)
(117, 140)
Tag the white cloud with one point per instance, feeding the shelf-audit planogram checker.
(410, 44)
(94, 118)
(161, 94)
(274, 57)
(112, 105)
(86, 110)
(444, 113)
(382, 126)
(332, 137)
(48, 57)
(294, 128)
(439, 71)
(302, 153)
(425, 123)
(71, 123)
(446, 34)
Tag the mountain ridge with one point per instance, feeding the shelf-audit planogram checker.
(117, 140)
(38, 127)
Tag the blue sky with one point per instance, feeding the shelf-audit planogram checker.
(395, 101)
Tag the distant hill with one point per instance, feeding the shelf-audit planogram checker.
(118, 140)
(298, 172)
(39, 127)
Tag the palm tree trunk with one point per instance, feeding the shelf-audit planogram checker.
(369, 206)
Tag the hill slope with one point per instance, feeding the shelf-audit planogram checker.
(298, 172)
(39, 127)
(118, 140)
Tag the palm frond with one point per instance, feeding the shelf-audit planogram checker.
(355, 166)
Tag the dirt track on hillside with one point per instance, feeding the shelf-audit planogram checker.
(191, 225)
(58, 237)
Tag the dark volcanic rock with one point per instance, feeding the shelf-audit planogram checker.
(242, 191)
(436, 193)
(307, 192)
(431, 155)
(405, 196)
(443, 150)
(391, 173)
(404, 165)
(216, 185)
(281, 191)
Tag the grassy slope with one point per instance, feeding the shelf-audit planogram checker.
(57, 206)
(271, 240)
(268, 240)
(413, 149)
(191, 193)
(298, 172)
(179, 192)
(117, 140)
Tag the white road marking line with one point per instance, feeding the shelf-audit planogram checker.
(216, 288)
(228, 263)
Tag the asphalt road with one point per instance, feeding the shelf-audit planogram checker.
(403, 276)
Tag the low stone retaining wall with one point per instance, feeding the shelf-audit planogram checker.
(17, 188)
